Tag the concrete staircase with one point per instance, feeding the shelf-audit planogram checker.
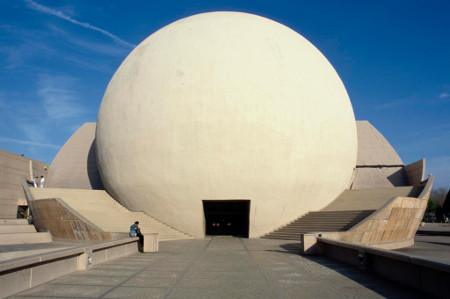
(347, 210)
(101, 209)
(369, 199)
(327, 221)
(18, 231)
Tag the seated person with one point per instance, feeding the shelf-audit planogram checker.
(135, 231)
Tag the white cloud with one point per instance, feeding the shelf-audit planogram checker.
(395, 103)
(96, 65)
(16, 56)
(90, 46)
(31, 122)
(29, 142)
(59, 97)
(444, 95)
(44, 9)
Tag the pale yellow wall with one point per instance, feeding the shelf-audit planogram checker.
(226, 106)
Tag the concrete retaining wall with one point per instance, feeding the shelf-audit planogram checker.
(23, 273)
(62, 222)
(431, 277)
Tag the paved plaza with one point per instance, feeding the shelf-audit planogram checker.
(221, 268)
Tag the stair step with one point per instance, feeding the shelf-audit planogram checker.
(347, 210)
(13, 222)
(106, 213)
(25, 238)
(4, 229)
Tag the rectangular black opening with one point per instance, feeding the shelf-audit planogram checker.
(227, 217)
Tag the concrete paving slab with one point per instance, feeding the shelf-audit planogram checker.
(196, 293)
(250, 275)
(120, 267)
(160, 274)
(96, 280)
(107, 272)
(150, 282)
(66, 291)
(306, 289)
(221, 283)
(137, 292)
(434, 247)
(221, 268)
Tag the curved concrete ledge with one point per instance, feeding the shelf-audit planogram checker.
(22, 273)
(427, 275)
(425, 194)
(416, 172)
(392, 226)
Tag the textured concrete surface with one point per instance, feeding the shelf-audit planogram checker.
(221, 268)
(390, 227)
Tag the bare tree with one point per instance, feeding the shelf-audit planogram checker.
(439, 195)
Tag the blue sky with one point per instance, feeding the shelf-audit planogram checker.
(57, 58)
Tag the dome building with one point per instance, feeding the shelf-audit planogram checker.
(221, 108)
(229, 123)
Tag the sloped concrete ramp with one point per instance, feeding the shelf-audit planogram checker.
(101, 209)
(348, 209)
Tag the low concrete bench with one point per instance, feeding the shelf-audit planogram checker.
(151, 243)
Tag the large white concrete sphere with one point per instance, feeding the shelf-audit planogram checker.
(224, 106)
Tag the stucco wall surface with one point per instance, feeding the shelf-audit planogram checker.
(222, 106)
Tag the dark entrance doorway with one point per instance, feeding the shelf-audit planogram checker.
(227, 217)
